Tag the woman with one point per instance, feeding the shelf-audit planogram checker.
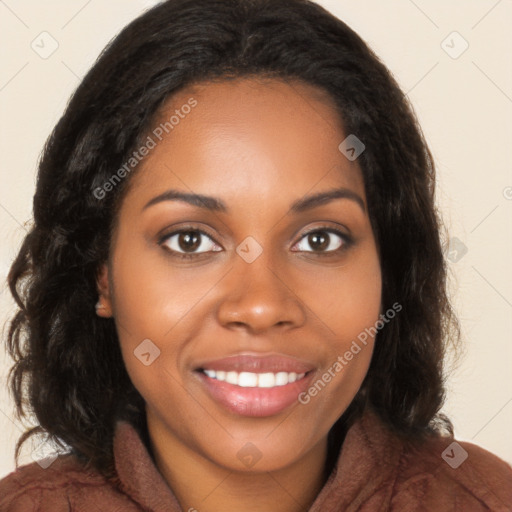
(233, 295)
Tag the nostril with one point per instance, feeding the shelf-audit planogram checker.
(238, 324)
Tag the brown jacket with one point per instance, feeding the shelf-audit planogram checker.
(375, 472)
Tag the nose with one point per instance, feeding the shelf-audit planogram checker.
(258, 298)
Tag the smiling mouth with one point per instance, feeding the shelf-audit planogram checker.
(254, 380)
(251, 394)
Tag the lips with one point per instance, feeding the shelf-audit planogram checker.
(285, 379)
(257, 364)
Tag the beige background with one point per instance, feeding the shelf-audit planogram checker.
(464, 105)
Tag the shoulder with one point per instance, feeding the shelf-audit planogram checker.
(66, 485)
(380, 469)
(445, 474)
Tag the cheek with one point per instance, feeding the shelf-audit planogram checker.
(152, 297)
(346, 304)
(344, 300)
(156, 309)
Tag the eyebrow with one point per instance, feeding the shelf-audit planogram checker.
(308, 202)
(208, 203)
(217, 205)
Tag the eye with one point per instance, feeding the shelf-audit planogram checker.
(322, 241)
(189, 242)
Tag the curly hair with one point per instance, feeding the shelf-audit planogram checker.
(68, 370)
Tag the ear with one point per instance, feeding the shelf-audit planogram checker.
(104, 304)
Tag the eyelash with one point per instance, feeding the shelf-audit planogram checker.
(347, 241)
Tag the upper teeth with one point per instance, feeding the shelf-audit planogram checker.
(255, 380)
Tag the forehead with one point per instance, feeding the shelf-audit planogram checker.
(267, 136)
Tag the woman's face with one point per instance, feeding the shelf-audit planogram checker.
(275, 273)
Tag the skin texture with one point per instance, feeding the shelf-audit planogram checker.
(259, 146)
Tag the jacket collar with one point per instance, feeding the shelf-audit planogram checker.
(366, 469)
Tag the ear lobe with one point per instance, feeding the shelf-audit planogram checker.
(104, 304)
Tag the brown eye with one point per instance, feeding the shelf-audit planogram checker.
(322, 241)
(318, 241)
(190, 241)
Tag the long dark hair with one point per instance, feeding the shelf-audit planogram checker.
(68, 367)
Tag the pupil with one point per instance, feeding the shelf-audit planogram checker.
(318, 241)
(189, 240)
